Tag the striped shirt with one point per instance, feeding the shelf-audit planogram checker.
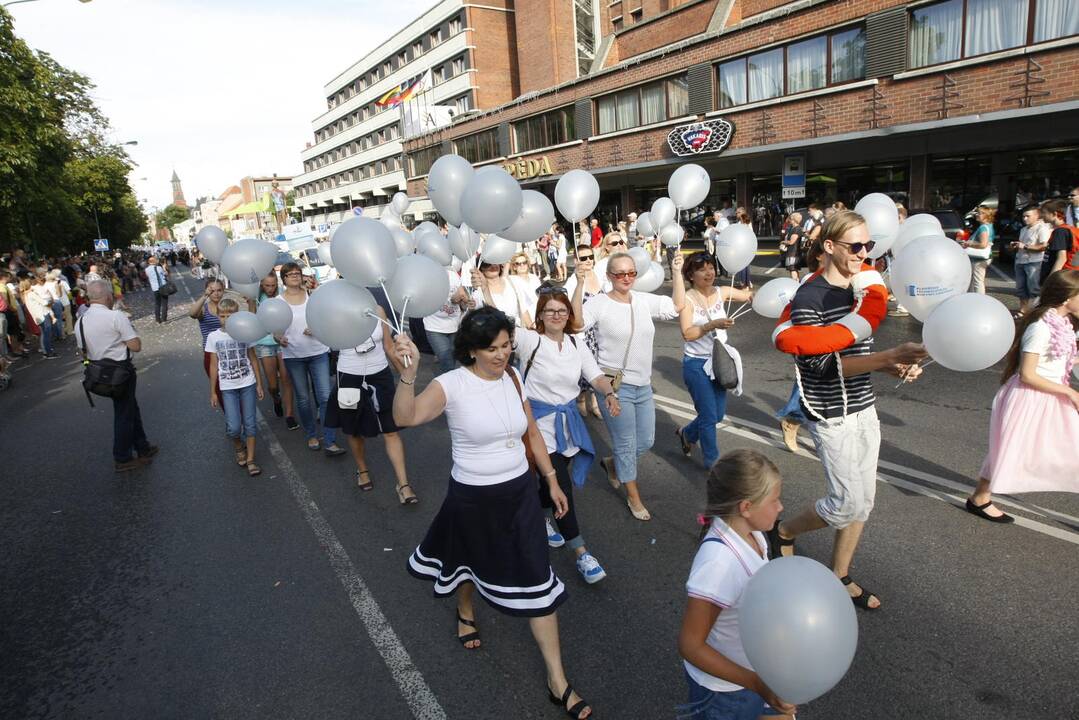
(818, 302)
(208, 322)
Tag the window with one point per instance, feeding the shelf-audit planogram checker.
(766, 75)
(401, 59)
(417, 49)
(462, 104)
(422, 160)
(848, 55)
(643, 105)
(1055, 19)
(387, 68)
(807, 65)
(455, 26)
(732, 83)
(435, 37)
(457, 66)
(552, 128)
(439, 74)
(478, 147)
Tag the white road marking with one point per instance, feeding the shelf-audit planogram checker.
(414, 689)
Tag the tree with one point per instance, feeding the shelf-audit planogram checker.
(171, 215)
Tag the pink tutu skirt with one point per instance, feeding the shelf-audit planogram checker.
(1033, 442)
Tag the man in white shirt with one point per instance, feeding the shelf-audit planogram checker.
(106, 334)
(1071, 216)
(157, 275)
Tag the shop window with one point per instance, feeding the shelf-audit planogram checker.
(539, 131)
(478, 147)
(422, 160)
(959, 183)
(643, 105)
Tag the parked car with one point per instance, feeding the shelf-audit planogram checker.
(954, 227)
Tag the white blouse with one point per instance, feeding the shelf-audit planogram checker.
(1036, 339)
(702, 346)
(614, 331)
(368, 358)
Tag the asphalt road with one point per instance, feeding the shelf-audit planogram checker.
(188, 590)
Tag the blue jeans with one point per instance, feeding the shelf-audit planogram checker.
(793, 409)
(47, 330)
(58, 313)
(710, 401)
(240, 419)
(705, 704)
(633, 432)
(317, 368)
(1027, 277)
(442, 344)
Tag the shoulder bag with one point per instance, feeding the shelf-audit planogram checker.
(105, 377)
(524, 438)
(723, 365)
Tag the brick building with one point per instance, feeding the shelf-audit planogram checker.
(940, 104)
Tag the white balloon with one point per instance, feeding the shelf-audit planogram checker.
(399, 203)
(364, 251)
(576, 194)
(324, 253)
(772, 297)
(248, 261)
(460, 244)
(536, 218)
(645, 228)
(211, 242)
(689, 186)
(491, 201)
(641, 259)
(882, 219)
(275, 315)
(424, 227)
(662, 213)
(927, 272)
(798, 628)
(403, 241)
(650, 280)
(736, 246)
(672, 235)
(422, 282)
(339, 314)
(434, 245)
(969, 332)
(916, 226)
(245, 327)
(497, 250)
(446, 184)
(389, 218)
(248, 290)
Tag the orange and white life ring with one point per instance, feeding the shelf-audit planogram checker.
(870, 307)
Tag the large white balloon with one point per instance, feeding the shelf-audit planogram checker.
(536, 218)
(650, 280)
(248, 261)
(662, 213)
(672, 235)
(641, 259)
(389, 218)
(339, 314)
(403, 241)
(211, 242)
(248, 290)
(498, 250)
(275, 315)
(772, 297)
(689, 186)
(364, 252)
(968, 332)
(929, 271)
(916, 226)
(736, 247)
(324, 253)
(459, 242)
(245, 327)
(421, 282)
(576, 195)
(446, 183)
(399, 203)
(645, 228)
(491, 201)
(882, 219)
(434, 245)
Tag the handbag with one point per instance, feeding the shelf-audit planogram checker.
(615, 376)
(723, 366)
(167, 288)
(105, 377)
(348, 398)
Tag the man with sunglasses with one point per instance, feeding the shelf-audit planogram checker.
(837, 396)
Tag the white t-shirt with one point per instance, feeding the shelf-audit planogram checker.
(486, 421)
(234, 369)
(448, 317)
(1036, 339)
(106, 331)
(613, 331)
(570, 285)
(721, 570)
(299, 344)
(702, 346)
(155, 276)
(512, 300)
(1036, 234)
(553, 377)
(367, 358)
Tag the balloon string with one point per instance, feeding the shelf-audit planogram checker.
(740, 314)
(739, 309)
(903, 377)
(382, 320)
(393, 313)
(402, 331)
(730, 298)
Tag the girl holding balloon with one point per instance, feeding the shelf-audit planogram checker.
(743, 504)
(1034, 428)
(273, 364)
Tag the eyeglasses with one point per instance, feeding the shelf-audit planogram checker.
(487, 266)
(551, 290)
(558, 312)
(293, 274)
(586, 258)
(858, 247)
(623, 275)
(521, 262)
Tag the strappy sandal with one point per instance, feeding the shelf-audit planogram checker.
(687, 449)
(606, 464)
(410, 500)
(241, 457)
(253, 469)
(861, 600)
(777, 542)
(314, 444)
(578, 707)
(469, 637)
(365, 486)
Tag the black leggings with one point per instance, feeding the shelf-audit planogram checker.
(567, 524)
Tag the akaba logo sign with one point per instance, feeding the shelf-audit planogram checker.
(709, 136)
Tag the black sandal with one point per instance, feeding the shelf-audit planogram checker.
(777, 542)
(861, 600)
(468, 637)
(979, 510)
(578, 707)
(412, 500)
(687, 449)
(365, 486)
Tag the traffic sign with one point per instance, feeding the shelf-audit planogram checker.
(357, 211)
(793, 193)
(101, 245)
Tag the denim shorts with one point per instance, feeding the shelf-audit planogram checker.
(1026, 280)
(705, 704)
(265, 351)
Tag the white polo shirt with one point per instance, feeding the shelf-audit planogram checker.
(107, 331)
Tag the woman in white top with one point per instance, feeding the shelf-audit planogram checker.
(489, 533)
(558, 239)
(307, 361)
(365, 408)
(441, 326)
(703, 320)
(595, 282)
(520, 271)
(61, 291)
(552, 364)
(624, 330)
(492, 287)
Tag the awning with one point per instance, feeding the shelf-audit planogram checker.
(251, 208)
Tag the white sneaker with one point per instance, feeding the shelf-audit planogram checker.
(554, 538)
(590, 569)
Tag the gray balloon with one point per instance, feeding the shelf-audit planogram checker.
(491, 201)
(275, 315)
(536, 218)
(403, 241)
(798, 628)
(364, 252)
(248, 261)
(248, 290)
(244, 326)
(339, 314)
(498, 250)
(434, 245)
(576, 194)
(460, 245)
(422, 282)
(446, 183)
(211, 242)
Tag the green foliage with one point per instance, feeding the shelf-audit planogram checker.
(56, 167)
(171, 215)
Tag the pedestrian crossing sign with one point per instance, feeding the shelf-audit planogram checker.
(101, 244)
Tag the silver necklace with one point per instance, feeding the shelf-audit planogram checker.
(510, 440)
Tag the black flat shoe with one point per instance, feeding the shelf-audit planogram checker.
(979, 510)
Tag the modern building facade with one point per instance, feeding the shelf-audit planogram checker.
(460, 50)
(940, 103)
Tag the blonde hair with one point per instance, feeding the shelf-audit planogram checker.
(987, 215)
(227, 305)
(840, 224)
(738, 476)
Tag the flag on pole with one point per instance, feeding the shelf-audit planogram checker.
(405, 91)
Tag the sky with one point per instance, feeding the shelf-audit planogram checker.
(216, 91)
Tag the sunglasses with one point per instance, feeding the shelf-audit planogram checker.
(623, 275)
(484, 266)
(551, 290)
(521, 262)
(584, 258)
(856, 248)
(617, 242)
